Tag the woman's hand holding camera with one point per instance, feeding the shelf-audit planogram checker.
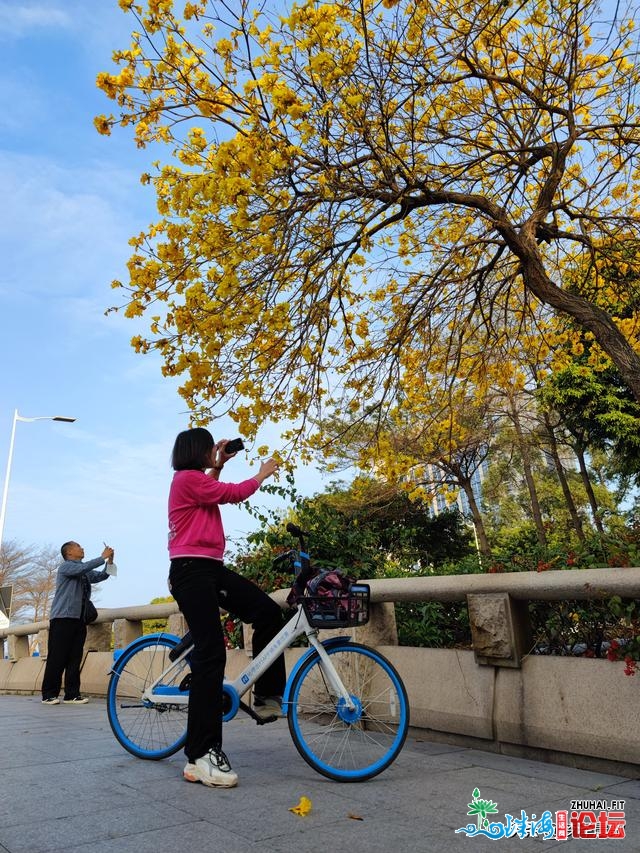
(224, 450)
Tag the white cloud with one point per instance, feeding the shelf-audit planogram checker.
(17, 20)
(64, 226)
(21, 102)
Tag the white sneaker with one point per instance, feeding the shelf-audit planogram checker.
(212, 769)
(77, 700)
(53, 700)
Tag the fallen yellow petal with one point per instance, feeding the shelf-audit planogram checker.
(303, 808)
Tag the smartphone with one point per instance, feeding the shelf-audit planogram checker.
(234, 446)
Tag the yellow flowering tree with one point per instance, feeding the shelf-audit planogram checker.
(350, 181)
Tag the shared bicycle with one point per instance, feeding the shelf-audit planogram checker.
(345, 703)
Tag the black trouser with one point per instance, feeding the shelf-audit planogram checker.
(66, 641)
(201, 587)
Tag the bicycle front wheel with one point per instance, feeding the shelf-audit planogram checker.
(152, 730)
(349, 744)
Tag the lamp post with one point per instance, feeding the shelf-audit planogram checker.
(16, 418)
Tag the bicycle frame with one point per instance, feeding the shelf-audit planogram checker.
(297, 626)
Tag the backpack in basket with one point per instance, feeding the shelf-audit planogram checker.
(336, 600)
(329, 583)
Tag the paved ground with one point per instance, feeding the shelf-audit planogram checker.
(66, 784)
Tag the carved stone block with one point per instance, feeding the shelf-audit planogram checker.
(499, 629)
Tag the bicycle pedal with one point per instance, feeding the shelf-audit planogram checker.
(260, 721)
(185, 684)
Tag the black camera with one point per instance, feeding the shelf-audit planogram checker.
(233, 446)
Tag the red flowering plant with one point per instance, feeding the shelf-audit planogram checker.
(626, 646)
(257, 566)
(609, 628)
(232, 630)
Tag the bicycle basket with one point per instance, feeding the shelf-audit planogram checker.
(336, 607)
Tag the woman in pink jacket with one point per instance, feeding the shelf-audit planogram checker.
(201, 584)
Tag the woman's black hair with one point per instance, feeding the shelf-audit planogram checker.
(192, 450)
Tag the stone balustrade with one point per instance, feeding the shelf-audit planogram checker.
(498, 620)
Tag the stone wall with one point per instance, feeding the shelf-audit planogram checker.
(571, 710)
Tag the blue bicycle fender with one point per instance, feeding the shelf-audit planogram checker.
(144, 639)
(332, 641)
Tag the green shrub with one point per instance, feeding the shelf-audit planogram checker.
(433, 624)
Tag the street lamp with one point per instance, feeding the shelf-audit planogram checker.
(16, 418)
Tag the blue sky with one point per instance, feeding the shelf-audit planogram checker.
(71, 200)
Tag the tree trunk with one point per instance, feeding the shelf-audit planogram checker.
(528, 476)
(523, 242)
(482, 541)
(589, 316)
(566, 491)
(593, 503)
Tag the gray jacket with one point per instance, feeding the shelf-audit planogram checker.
(67, 601)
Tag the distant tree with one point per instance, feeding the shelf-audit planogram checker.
(31, 570)
(598, 411)
(430, 445)
(362, 529)
(14, 560)
(554, 451)
(39, 587)
(414, 536)
(591, 401)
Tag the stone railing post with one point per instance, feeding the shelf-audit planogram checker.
(98, 637)
(42, 639)
(177, 624)
(380, 630)
(125, 631)
(18, 647)
(500, 629)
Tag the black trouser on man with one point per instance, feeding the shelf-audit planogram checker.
(66, 641)
(201, 586)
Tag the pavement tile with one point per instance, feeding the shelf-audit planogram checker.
(67, 785)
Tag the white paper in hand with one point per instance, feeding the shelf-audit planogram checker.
(111, 569)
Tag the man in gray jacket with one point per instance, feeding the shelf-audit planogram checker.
(67, 628)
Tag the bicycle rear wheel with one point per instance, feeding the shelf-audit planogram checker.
(349, 745)
(151, 730)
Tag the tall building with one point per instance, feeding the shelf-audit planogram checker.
(445, 497)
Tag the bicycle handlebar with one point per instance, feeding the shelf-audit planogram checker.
(302, 563)
(282, 558)
(294, 530)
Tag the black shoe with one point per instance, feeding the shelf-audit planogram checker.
(184, 643)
